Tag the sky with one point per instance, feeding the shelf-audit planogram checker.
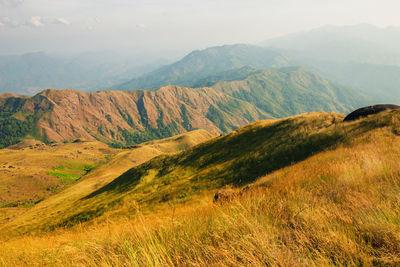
(172, 26)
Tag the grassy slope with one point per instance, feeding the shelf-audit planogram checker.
(27, 175)
(105, 173)
(236, 159)
(290, 91)
(338, 207)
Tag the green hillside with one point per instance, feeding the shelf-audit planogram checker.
(14, 124)
(293, 90)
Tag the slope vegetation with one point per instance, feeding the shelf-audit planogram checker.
(236, 159)
(27, 175)
(336, 207)
(67, 168)
(291, 91)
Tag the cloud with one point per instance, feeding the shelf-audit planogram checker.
(62, 21)
(142, 27)
(11, 2)
(35, 22)
(6, 21)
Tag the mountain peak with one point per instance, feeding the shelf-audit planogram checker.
(201, 64)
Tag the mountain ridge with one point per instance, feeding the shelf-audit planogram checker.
(130, 117)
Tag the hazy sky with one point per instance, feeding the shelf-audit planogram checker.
(144, 26)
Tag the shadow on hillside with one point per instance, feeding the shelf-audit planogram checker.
(255, 151)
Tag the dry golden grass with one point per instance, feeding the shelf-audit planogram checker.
(100, 176)
(25, 172)
(339, 207)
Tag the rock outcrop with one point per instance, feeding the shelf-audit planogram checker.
(365, 111)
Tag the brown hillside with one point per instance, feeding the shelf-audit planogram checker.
(70, 114)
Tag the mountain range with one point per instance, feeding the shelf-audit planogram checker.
(199, 65)
(362, 57)
(124, 118)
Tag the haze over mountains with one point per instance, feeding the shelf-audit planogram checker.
(362, 57)
(33, 72)
(218, 89)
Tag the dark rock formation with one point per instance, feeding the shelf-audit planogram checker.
(365, 111)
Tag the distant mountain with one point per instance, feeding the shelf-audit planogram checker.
(29, 73)
(124, 118)
(381, 82)
(364, 57)
(357, 43)
(198, 66)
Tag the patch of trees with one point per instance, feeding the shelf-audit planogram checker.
(137, 137)
(13, 130)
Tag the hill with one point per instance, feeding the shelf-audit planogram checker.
(302, 185)
(124, 118)
(236, 159)
(199, 65)
(28, 177)
(32, 171)
(291, 91)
